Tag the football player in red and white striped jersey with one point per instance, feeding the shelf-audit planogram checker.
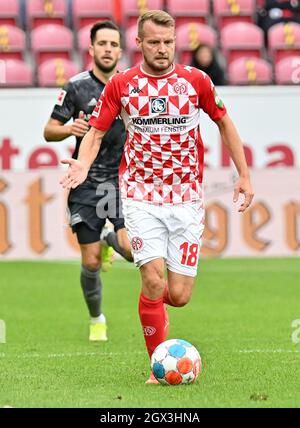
(162, 167)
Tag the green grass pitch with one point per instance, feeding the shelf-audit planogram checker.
(240, 319)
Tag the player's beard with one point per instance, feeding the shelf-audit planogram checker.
(105, 68)
(156, 67)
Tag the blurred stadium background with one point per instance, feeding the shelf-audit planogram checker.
(43, 43)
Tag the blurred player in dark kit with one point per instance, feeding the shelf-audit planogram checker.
(97, 199)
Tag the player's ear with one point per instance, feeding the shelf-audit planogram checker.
(138, 42)
(91, 51)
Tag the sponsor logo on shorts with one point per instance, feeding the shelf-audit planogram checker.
(148, 330)
(159, 105)
(137, 243)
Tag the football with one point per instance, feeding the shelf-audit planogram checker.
(176, 362)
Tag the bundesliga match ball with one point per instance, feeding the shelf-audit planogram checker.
(176, 362)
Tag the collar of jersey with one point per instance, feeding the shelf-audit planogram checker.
(160, 76)
(93, 76)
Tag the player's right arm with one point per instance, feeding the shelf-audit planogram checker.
(57, 127)
(105, 112)
(55, 130)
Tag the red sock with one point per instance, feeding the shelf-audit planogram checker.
(153, 320)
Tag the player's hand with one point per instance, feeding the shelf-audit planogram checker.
(243, 186)
(75, 175)
(79, 127)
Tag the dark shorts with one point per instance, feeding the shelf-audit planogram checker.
(89, 208)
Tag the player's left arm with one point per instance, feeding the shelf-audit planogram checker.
(234, 146)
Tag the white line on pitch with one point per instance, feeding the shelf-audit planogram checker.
(269, 351)
(66, 355)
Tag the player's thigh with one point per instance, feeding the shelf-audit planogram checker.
(123, 239)
(185, 238)
(147, 233)
(84, 221)
(180, 288)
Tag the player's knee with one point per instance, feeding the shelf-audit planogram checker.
(93, 262)
(180, 299)
(153, 280)
(154, 286)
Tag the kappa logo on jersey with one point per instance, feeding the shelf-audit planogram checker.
(137, 243)
(180, 88)
(135, 90)
(61, 97)
(159, 105)
(97, 109)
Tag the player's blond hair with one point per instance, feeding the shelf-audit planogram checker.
(159, 17)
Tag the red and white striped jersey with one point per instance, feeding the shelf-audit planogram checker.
(163, 154)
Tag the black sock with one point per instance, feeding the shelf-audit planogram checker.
(92, 290)
(112, 240)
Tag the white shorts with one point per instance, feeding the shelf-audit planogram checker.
(172, 232)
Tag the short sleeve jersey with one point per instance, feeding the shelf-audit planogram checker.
(163, 154)
(81, 94)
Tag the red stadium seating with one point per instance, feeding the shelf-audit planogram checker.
(241, 39)
(84, 42)
(132, 9)
(249, 71)
(287, 71)
(46, 12)
(134, 54)
(56, 72)
(87, 12)
(9, 12)
(185, 11)
(284, 40)
(189, 36)
(15, 73)
(229, 11)
(12, 42)
(51, 41)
